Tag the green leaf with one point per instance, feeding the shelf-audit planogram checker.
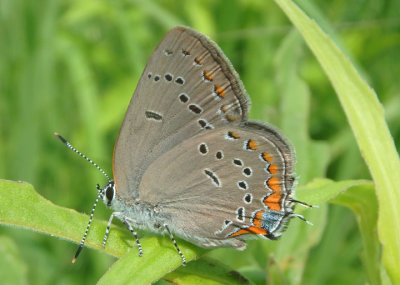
(159, 258)
(366, 118)
(156, 263)
(43, 216)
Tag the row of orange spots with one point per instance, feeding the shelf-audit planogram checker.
(273, 201)
(255, 229)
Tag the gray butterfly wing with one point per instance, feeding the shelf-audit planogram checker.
(215, 187)
(188, 87)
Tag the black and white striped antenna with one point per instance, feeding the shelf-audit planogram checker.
(99, 193)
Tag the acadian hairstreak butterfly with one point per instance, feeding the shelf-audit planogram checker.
(187, 160)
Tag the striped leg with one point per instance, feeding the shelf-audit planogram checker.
(176, 245)
(121, 216)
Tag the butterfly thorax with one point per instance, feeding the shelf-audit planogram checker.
(137, 213)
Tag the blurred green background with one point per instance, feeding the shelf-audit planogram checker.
(72, 66)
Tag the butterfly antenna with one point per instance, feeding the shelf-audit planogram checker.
(99, 194)
(64, 141)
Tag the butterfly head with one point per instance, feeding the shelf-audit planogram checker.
(108, 193)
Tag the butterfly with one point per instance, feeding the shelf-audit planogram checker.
(188, 162)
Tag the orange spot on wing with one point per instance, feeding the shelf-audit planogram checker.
(207, 75)
(219, 91)
(257, 219)
(251, 144)
(250, 230)
(198, 61)
(272, 168)
(273, 201)
(267, 157)
(255, 229)
(233, 135)
(273, 183)
(224, 108)
(231, 118)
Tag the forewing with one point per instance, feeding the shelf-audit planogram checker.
(188, 87)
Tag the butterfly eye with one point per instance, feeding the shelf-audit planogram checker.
(109, 195)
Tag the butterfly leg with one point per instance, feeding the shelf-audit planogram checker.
(304, 204)
(121, 216)
(176, 245)
(301, 218)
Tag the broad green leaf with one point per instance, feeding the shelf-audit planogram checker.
(366, 118)
(43, 216)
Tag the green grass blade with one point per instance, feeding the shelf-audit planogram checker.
(366, 118)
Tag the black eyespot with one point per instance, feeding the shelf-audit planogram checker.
(247, 198)
(183, 97)
(203, 148)
(195, 108)
(179, 80)
(237, 162)
(202, 123)
(247, 171)
(168, 77)
(242, 185)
